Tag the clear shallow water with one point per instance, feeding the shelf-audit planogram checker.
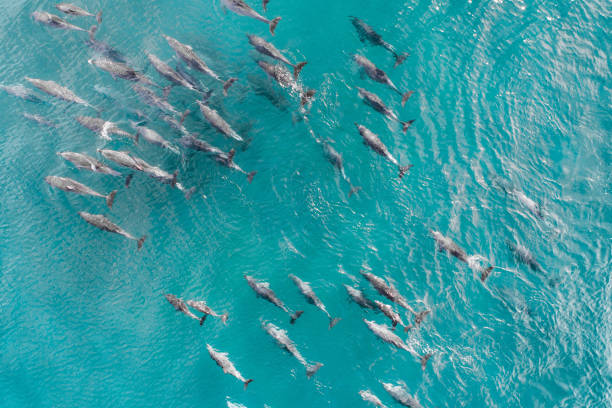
(513, 89)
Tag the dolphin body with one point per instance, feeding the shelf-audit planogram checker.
(41, 120)
(224, 362)
(241, 8)
(309, 294)
(54, 21)
(171, 75)
(152, 99)
(73, 10)
(180, 306)
(450, 247)
(378, 105)
(358, 297)
(337, 161)
(266, 48)
(72, 186)
(262, 289)
(402, 396)
(216, 121)
(388, 311)
(22, 92)
(520, 196)
(85, 162)
(102, 47)
(153, 137)
(379, 75)
(372, 140)
(367, 33)
(120, 70)
(367, 396)
(285, 342)
(524, 255)
(388, 336)
(103, 223)
(284, 78)
(202, 307)
(387, 290)
(103, 127)
(54, 89)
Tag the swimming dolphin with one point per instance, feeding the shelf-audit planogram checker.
(103, 223)
(175, 123)
(124, 159)
(54, 21)
(388, 311)
(167, 72)
(73, 10)
(186, 53)
(85, 162)
(388, 336)
(262, 289)
(103, 48)
(54, 89)
(450, 247)
(358, 297)
(379, 75)
(372, 140)
(41, 120)
(266, 48)
(202, 307)
(152, 99)
(524, 255)
(180, 305)
(153, 137)
(167, 178)
(284, 78)
(216, 121)
(196, 84)
(307, 291)
(519, 195)
(401, 395)
(367, 33)
(285, 342)
(103, 127)
(22, 92)
(336, 160)
(241, 8)
(72, 186)
(387, 290)
(378, 105)
(120, 70)
(224, 362)
(369, 397)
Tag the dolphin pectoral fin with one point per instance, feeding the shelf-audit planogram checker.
(312, 370)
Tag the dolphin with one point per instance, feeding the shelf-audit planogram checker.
(262, 289)
(41, 120)
(524, 255)
(336, 160)
(369, 397)
(186, 53)
(445, 244)
(378, 105)
(400, 394)
(307, 291)
(379, 75)
(388, 311)
(241, 8)
(85, 162)
(367, 33)
(72, 186)
(387, 290)
(167, 178)
(519, 195)
(180, 305)
(224, 362)
(167, 72)
(372, 140)
(216, 121)
(150, 98)
(54, 89)
(73, 10)
(102, 47)
(103, 127)
(266, 48)
(22, 92)
(124, 159)
(388, 336)
(285, 342)
(175, 124)
(196, 84)
(202, 307)
(54, 21)
(103, 223)
(358, 297)
(120, 70)
(153, 137)
(284, 78)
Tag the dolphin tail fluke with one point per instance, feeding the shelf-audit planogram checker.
(141, 241)
(406, 96)
(265, 5)
(184, 115)
(251, 175)
(247, 382)
(92, 31)
(174, 176)
(404, 169)
(306, 97)
(203, 318)
(273, 24)
(424, 359)
(296, 316)
(224, 317)
(334, 321)
(99, 17)
(406, 125)
(399, 58)
(485, 274)
(297, 68)
(189, 193)
(312, 370)
(418, 318)
(128, 179)
(407, 327)
(111, 198)
(227, 84)
(353, 190)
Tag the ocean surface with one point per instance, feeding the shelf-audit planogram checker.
(511, 99)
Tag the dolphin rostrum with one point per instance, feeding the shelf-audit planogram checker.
(224, 362)
(103, 223)
(241, 8)
(379, 75)
(372, 140)
(202, 307)
(367, 33)
(266, 48)
(262, 289)
(72, 186)
(307, 291)
(378, 105)
(180, 305)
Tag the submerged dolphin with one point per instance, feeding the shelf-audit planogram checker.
(401, 395)
(103, 223)
(120, 70)
(388, 336)
(367, 396)
(358, 297)
(367, 33)
(202, 307)
(102, 47)
(180, 306)
(54, 89)
(372, 140)
(378, 105)
(85, 162)
(54, 21)
(284, 78)
(241, 8)
(72, 186)
(266, 48)
(22, 92)
(103, 127)
(216, 121)
(41, 120)
(262, 289)
(524, 255)
(285, 342)
(224, 362)
(313, 298)
(73, 10)
(379, 75)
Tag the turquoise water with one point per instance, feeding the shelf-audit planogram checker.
(508, 89)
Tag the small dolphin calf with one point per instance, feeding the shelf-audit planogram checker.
(262, 289)
(103, 48)
(73, 10)
(216, 121)
(367, 33)
(284, 78)
(180, 305)
(379, 75)
(388, 336)
(58, 91)
(313, 298)
(153, 137)
(358, 297)
(387, 290)
(41, 120)
(265, 48)
(120, 70)
(22, 92)
(378, 105)
(167, 72)
(400, 394)
(285, 342)
(388, 311)
(103, 223)
(186, 53)
(85, 162)
(202, 307)
(241, 8)
(54, 21)
(450, 247)
(372, 140)
(369, 397)
(73, 186)
(524, 255)
(103, 127)
(224, 362)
